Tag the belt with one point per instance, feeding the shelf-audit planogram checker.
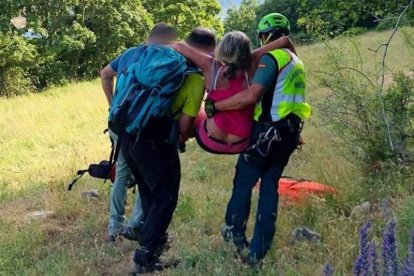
(220, 141)
(291, 122)
(285, 122)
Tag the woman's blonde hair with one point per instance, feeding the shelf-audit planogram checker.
(234, 51)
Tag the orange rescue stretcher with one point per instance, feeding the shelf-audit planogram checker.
(299, 190)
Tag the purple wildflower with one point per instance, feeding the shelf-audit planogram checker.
(362, 264)
(358, 266)
(390, 250)
(408, 269)
(373, 260)
(364, 246)
(328, 270)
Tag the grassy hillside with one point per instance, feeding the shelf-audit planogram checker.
(45, 138)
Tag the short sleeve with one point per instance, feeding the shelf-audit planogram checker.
(266, 71)
(194, 90)
(115, 63)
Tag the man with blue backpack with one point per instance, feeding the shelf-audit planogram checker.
(160, 34)
(153, 156)
(157, 99)
(186, 104)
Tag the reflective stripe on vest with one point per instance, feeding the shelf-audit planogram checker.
(289, 93)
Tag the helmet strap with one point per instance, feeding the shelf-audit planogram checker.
(264, 41)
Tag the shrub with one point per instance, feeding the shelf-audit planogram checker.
(388, 22)
(355, 31)
(303, 38)
(17, 56)
(367, 122)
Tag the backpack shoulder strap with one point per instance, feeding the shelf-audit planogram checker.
(80, 173)
(215, 78)
(213, 75)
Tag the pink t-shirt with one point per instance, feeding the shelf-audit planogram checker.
(236, 122)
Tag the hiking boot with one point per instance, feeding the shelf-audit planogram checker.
(240, 243)
(164, 245)
(250, 261)
(145, 262)
(226, 233)
(111, 239)
(157, 267)
(143, 269)
(131, 234)
(242, 247)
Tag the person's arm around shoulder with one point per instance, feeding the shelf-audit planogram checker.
(263, 78)
(107, 81)
(200, 59)
(283, 42)
(241, 100)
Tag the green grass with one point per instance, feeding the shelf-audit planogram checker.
(45, 138)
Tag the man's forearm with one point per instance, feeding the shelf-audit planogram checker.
(238, 101)
(108, 88)
(241, 100)
(186, 126)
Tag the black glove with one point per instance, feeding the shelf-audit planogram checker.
(210, 108)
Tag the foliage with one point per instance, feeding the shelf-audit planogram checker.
(67, 40)
(75, 38)
(388, 22)
(319, 19)
(354, 110)
(243, 19)
(16, 57)
(399, 102)
(186, 15)
(408, 36)
(348, 14)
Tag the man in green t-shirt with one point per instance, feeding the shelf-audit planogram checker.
(189, 97)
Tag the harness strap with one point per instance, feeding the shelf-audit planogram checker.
(216, 78)
(269, 137)
(80, 173)
(217, 74)
(213, 71)
(114, 155)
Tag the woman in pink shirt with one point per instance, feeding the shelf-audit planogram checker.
(225, 75)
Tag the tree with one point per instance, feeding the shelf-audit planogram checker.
(186, 15)
(117, 25)
(247, 16)
(73, 38)
(332, 17)
(16, 57)
(243, 19)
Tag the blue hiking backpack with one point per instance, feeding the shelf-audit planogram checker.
(146, 90)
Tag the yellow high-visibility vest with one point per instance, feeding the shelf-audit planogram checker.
(289, 92)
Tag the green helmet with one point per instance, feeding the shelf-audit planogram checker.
(273, 21)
